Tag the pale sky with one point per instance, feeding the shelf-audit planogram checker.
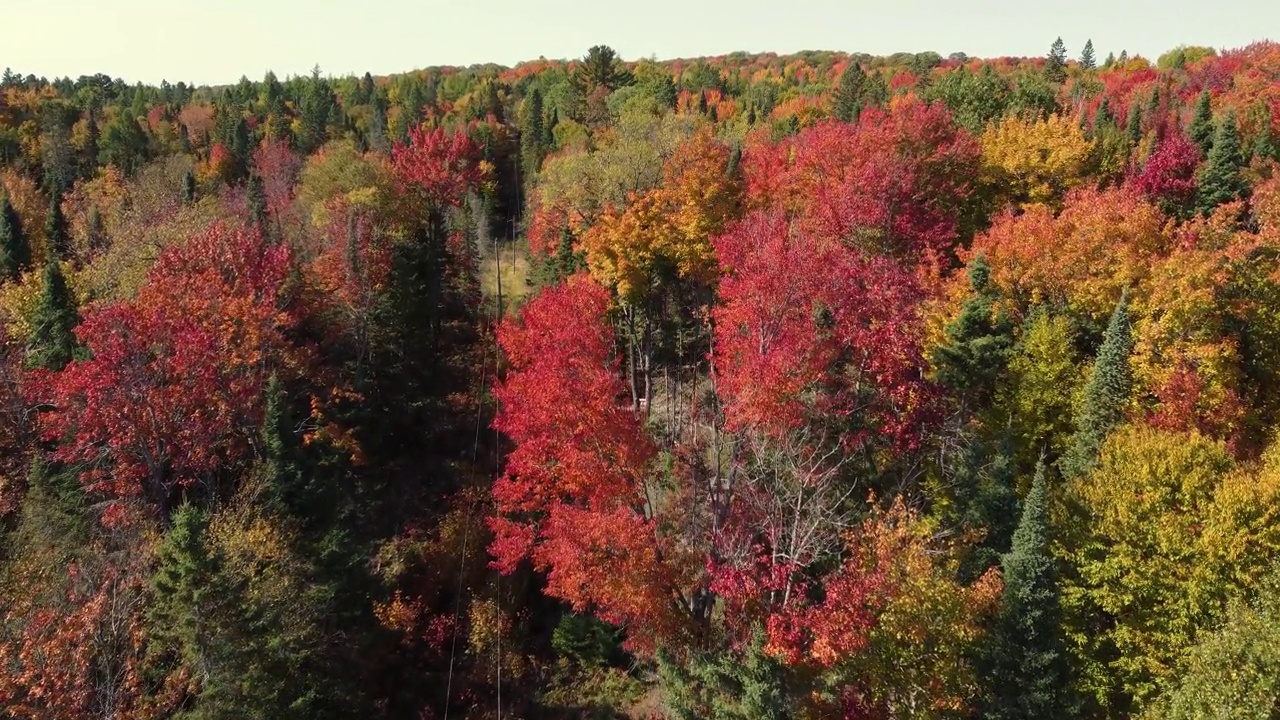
(217, 41)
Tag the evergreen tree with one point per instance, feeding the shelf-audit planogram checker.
(95, 232)
(848, 100)
(125, 145)
(1265, 146)
(1111, 60)
(377, 130)
(90, 151)
(257, 204)
(55, 226)
(727, 685)
(315, 111)
(1153, 104)
(1201, 129)
(531, 133)
(1105, 394)
(53, 340)
(1055, 66)
(1087, 60)
(15, 248)
(1104, 119)
(189, 188)
(549, 131)
(1133, 127)
(978, 341)
(1029, 672)
(1220, 180)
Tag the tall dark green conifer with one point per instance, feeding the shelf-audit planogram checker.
(1220, 181)
(744, 685)
(848, 99)
(976, 350)
(1055, 66)
(531, 133)
(1133, 126)
(1105, 395)
(257, 205)
(1029, 671)
(55, 226)
(53, 340)
(1201, 129)
(189, 188)
(1087, 59)
(15, 248)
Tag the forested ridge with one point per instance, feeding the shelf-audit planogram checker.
(749, 387)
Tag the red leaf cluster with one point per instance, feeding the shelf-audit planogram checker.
(807, 325)
(893, 183)
(172, 391)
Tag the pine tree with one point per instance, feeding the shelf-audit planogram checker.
(1087, 60)
(15, 248)
(53, 340)
(1111, 60)
(1105, 394)
(1055, 67)
(1201, 129)
(1029, 672)
(1220, 180)
(55, 226)
(848, 100)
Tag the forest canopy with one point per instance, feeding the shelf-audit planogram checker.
(747, 387)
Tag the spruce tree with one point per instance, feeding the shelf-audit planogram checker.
(1055, 67)
(1029, 671)
(1087, 59)
(189, 188)
(91, 149)
(257, 204)
(531, 136)
(848, 100)
(978, 341)
(1265, 146)
(1105, 394)
(727, 685)
(1220, 182)
(1201, 129)
(53, 340)
(15, 248)
(1133, 127)
(55, 227)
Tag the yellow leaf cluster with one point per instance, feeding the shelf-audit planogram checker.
(1035, 160)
